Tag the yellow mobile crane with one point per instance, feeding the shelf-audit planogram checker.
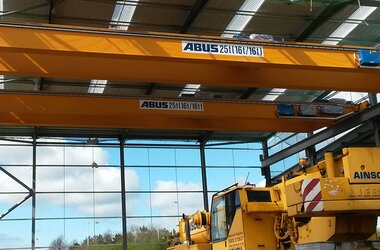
(331, 205)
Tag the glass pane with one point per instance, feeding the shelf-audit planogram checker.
(23, 174)
(219, 178)
(47, 231)
(190, 176)
(10, 154)
(50, 179)
(219, 222)
(15, 234)
(138, 204)
(187, 157)
(137, 179)
(80, 179)
(50, 205)
(218, 157)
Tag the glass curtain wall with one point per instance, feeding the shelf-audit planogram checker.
(78, 198)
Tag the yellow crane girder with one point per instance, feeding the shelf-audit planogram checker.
(111, 112)
(78, 53)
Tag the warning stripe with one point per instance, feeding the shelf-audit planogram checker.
(310, 185)
(313, 204)
(312, 195)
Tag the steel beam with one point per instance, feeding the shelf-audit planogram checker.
(331, 131)
(126, 113)
(149, 90)
(33, 192)
(51, 9)
(20, 183)
(311, 152)
(46, 51)
(248, 93)
(204, 175)
(266, 169)
(352, 138)
(199, 4)
(372, 98)
(123, 198)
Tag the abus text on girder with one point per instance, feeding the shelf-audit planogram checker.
(171, 105)
(222, 49)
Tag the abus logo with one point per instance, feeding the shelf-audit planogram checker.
(154, 104)
(201, 47)
(366, 175)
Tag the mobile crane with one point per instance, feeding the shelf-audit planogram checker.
(331, 205)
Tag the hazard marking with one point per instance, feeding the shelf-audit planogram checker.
(312, 195)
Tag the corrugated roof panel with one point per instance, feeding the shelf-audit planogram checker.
(365, 34)
(26, 11)
(329, 26)
(161, 15)
(215, 16)
(84, 13)
(279, 18)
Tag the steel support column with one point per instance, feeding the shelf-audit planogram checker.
(311, 152)
(33, 191)
(375, 123)
(372, 98)
(204, 175)
(123, 200)
(265, 170)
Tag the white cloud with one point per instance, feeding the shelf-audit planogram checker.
(69, 179)
(188, 203)
(11, 241)
(261, 183)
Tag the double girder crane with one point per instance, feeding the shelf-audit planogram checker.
(84, 53)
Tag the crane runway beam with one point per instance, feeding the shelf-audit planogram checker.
(78, 53)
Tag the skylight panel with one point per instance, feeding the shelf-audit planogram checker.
(239, 22)
(273, 94)
(123, 14)
(2, 82)
(349, 25)
(97, 86)
(190, 89)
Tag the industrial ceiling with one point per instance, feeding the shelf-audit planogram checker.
(339, 22)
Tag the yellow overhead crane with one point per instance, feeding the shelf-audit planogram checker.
(147, 113)
(82, 53)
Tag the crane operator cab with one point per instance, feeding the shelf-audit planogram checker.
(243, 218)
